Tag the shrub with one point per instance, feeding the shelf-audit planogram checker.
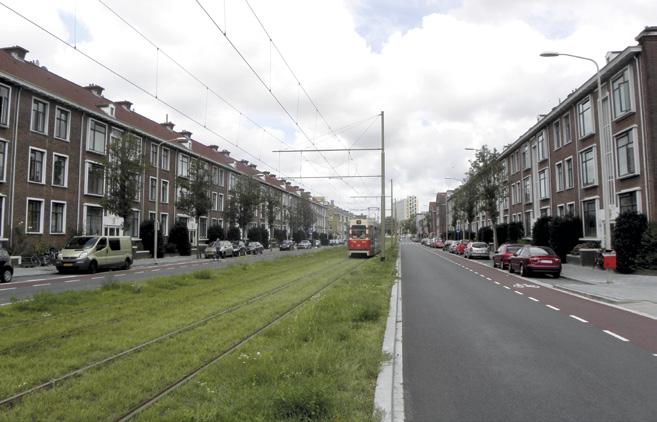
(280, 235)
(215, 232)
(485, 234)
(541, 231)
(259, 234)
(502, 233)
(564, 234)
(315, 236)
(515, 231)
(324, 239)
(147, 235)
(233, 234)
(628, 231)
(170, 248)
(298, 236)
(179, 235)
(647, 257)
(586, 245)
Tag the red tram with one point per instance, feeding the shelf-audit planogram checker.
(363, 238)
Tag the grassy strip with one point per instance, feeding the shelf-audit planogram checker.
(148, 317)
(320, 365)
(109, 391)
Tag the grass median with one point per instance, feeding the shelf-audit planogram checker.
(353, 323)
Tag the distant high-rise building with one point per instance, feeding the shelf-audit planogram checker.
(405, 208)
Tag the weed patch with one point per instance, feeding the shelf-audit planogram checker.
(202, 274)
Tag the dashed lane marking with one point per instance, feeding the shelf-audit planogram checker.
(8, 288)
(517, 292)
(553, 307)
(40, 285)
(578, 319)
(139, 272)
(489, 279)
(507, 287)
(611, 333)
(37, 279)
(96, 278)
(497, 282)
(120, 275)
(534, 299)
(72, 281)
(156, 270)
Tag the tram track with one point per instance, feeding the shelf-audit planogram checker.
(14, 399)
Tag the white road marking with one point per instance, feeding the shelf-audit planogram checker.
(489, 279)
(534, 299)
(578, 319)
(156, 270)
(72, 281)
(611, 333)
(8, 288)
(139, 272)
(96, 278)
(654, 354)
(120, 275)
(9, 303)
(497, 282)
(38, 279)
(476, 272)
(507, 287)
(520, 293)
(39, 285)
(553, 307)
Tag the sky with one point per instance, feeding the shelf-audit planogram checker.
(257, 76)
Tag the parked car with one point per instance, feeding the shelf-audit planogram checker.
(438, 243)
(254, 248)
(460, 247)
(317, 243)
(91, 253)
(503, 253)
(239, 248)
(535, 259)
(211, 250)
(219, 249)
(447, 245)
(304, 244)
(286, 245)
(477, 250)
(7, 270)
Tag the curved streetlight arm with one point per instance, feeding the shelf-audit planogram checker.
(555, 54)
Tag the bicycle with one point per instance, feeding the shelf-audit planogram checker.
(45, 258)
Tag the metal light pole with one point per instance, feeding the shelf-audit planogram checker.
(158, 191)
(383, 193)
(606, 192)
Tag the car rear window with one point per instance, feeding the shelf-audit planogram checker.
(479, 245)
(512, 249)
(540, 251)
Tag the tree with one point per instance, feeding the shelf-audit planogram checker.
(465, 203)
(179, 236)
(564, 235)
(244, 201)
(486, 172)
(122, 166)
(628, 230)
(541, 231)
(302, 216)
(272, 200)
(194, 193)
(516, 231)
(147, 235)
(215, 232)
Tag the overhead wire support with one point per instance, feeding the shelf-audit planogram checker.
(329, 150)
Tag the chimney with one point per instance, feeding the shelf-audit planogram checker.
(252, 165)
(266, 173)
(127, 105)
(187, 134)
(245, 162)
(225, 152)
(95, 89)
(287, 183)
(16, 52)
(168, 125)
(273, 175)
(214, 147)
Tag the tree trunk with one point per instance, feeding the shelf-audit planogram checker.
(198, 233)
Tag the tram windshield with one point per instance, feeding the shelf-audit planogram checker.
(358, 232)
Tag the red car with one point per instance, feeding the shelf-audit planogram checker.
(460, 248)
(503, 253)
(535, 259)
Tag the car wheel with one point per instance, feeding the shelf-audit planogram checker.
(6, 275)
(93, 267)
(494, 264)
(510, 268)
(127, 264)
(523, 271)
(556, 275)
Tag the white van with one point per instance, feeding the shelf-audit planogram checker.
(91, 253)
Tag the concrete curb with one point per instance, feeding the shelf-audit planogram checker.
(389, 393)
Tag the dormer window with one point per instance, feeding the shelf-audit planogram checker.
(109, 109)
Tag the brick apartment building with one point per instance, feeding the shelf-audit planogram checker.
(53, 136)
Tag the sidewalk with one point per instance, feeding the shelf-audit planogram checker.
(637, 293)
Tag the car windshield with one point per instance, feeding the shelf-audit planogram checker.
(479, 245)
(82, 242)
(540, 251)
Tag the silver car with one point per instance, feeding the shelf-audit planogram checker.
(477, 250)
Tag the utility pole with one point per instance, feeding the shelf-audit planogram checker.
(383, 193)
(392, 213)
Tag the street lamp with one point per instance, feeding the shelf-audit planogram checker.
(606, 191)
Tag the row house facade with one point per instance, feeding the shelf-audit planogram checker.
(53, 139)
(556, 167)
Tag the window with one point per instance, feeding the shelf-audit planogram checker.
(183, 165)
(136, 179)
(628, 202)
(540, 147)
(570, 208)
(587, 163)
(558, 170)
(544, 212)
(37, 166)
(3, 160)
(566, 129)
(215, 201)
(96, 137)
(164, 197)
(221, 202)
(585, 117)
(151, 215)
(164, 158)
(94, 220)
(57, 217)
(34, 218)
(625, 154)
(570, 175)
(95, 179)
(164, 223)
(589, 213)
(621, 94)
(221, 177)
(528, 223)
(114, 244)
(527, 189)
(561, 210)
(556, 133)
(59, 170)
(514, 194)
(134, 223)
(39, 116)
(542, 184)
(215, 175)
(526, 159)
(152, 189)
(203, 227)
(153, 154)
(232, 180)
(4, 105)
(62, 123)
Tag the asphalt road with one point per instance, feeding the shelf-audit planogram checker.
(482, 345)
(27, 286)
